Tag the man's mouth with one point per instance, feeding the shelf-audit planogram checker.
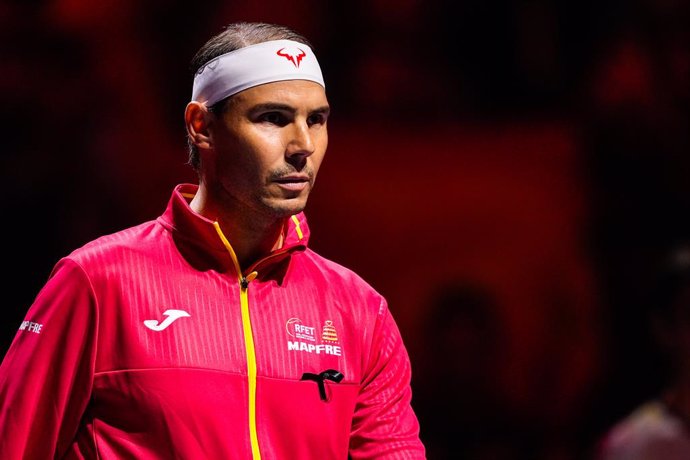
(294, 182)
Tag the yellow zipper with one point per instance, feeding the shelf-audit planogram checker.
(247, 328)
(248, 342)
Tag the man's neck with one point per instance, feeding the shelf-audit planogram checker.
(251, 240)
(252, 237)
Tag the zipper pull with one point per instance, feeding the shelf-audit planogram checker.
(244, 282)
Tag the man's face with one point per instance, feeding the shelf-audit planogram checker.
(267, 148)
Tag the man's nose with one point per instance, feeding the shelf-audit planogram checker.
(301, 142)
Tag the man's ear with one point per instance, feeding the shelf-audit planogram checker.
(197, 120)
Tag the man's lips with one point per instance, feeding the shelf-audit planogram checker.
(292, 178)
(293, 182)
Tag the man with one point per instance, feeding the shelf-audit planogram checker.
(213, 331)
(659, 427)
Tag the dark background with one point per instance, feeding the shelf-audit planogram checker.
(506, 173)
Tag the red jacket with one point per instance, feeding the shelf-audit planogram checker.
(147, 343)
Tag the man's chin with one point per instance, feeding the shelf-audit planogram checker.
(286, 208)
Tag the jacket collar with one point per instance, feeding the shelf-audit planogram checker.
(199, 243)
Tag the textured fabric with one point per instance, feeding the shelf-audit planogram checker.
(135, 348)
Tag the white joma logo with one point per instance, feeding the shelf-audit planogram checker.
(172, 315)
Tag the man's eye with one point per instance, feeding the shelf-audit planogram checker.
(316, 119)
(275, 118)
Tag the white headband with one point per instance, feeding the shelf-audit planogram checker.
(254, 65)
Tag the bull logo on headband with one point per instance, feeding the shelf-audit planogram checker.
(294, 55)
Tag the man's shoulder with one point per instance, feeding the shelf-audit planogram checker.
(336, 271)
(330, 266)
(134, 238)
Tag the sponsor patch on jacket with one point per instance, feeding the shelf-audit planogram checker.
(30, 326)
(302, 337)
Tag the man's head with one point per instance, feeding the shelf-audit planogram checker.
(257, 120)
(233, 37)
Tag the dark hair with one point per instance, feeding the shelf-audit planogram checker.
(233, 37)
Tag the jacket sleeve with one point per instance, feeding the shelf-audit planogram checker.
(47, 373)
(384, 424)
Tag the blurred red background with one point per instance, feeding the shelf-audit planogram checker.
(505, 173)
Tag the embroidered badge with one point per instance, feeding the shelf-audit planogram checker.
(302, 337)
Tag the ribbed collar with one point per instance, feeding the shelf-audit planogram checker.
(199, 243)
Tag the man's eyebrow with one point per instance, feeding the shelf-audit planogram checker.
(325, 110)
(267, 106)
(272, 106)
